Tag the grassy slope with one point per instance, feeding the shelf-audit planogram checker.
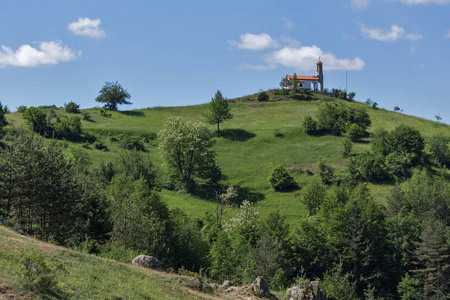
(248, 149)
(85, 276)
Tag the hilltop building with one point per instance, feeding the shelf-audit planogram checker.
(308, 82)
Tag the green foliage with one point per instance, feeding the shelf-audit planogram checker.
(67, 127)
(38, 273)
(280, 180)
(439, 149)
(138, 166)
(219, 110)
(187, 150)
(353, 131)
(339, 285)
(72, 108)
(403, 139)
(37, 119)
(262, 97)
(104, 112)
(336, 118)
(351, 95)
(313, 195)
(348, 146)
(99, 145)
(132, 143)
(113, 94)
(3, 121)
(408, 288)
(365, 167)
(325, 172)
(309, 125)
(21, 109)
(86, 116)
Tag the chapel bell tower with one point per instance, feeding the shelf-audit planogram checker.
(319, 74)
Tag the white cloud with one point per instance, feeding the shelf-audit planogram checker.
(360, 4)
(305, 58)
(447, 35)
(87, 27)
(416, 2)
(46, 54)
(288, 23)
(396, 32)
(255, 42)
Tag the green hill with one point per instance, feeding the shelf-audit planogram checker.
(260, 137)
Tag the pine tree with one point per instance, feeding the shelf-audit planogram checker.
(219, 110)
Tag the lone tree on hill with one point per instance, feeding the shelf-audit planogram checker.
(113, 94)
(219, 110)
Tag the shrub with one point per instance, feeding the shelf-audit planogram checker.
(313, 195)
(353, 131)
(99, 145)
(86, 116)
(309, 125)
(38, 273)
(262, 97)
(348, 145)
(326, 172)
(72, 107)
(132, 142)
(104, 112)
(351, 95)
(21, 109)
(281, 180)
(366, 167)
(439, 150)
(3, 121)
(37, 118)
(67, 127)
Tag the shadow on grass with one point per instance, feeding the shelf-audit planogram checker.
(238, 135)
(247, 194)
(132, 113)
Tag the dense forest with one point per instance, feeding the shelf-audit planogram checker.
(356, 247)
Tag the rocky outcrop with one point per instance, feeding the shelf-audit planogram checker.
(261, 288)
(308, 291)
(147, 262)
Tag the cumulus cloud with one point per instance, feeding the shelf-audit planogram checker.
(396, 32)
(87, 27)
(360, 4)
(251, 41)
(305, 58)
(416, 2)
(45, 54)
(288, 23)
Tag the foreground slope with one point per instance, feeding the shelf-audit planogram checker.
(85, 276)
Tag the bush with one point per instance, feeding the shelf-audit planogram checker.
(348, 145)
(132, 142)
(281, 180)
(99, 145)
(37, 118)
(38, 273)
(3, 121)
(72, 107)
(104, 112)
(336, 118)
(67, 127)
(439, 150)
(309, 125)
(351, 95)
(313, 195)
(86, 116)
(366, 167)
(326, 172)
(21, 109)
(353, 131)
(262, 97)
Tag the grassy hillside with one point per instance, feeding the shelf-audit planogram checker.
(83, 276)
(260, 137)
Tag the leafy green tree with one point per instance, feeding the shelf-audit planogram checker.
(281, 180)
(3, 121)
(439, 149)
(313, 194)
(67, 127)
(219, 110)
(187, 150)
(348, 145)
(72, 107)
(37, 119)
(325, 172)
(309, 125)
(113, 94)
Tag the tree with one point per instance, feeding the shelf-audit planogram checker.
(72, 107)
(281, 180)
(219, 110)
(262, 97)
(187, 150)
(37, 118)
(113, 94)
(3, 121)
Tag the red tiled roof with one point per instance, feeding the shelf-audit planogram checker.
(299, 78)
(319, 63)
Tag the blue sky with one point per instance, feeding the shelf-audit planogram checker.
(178, 53)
